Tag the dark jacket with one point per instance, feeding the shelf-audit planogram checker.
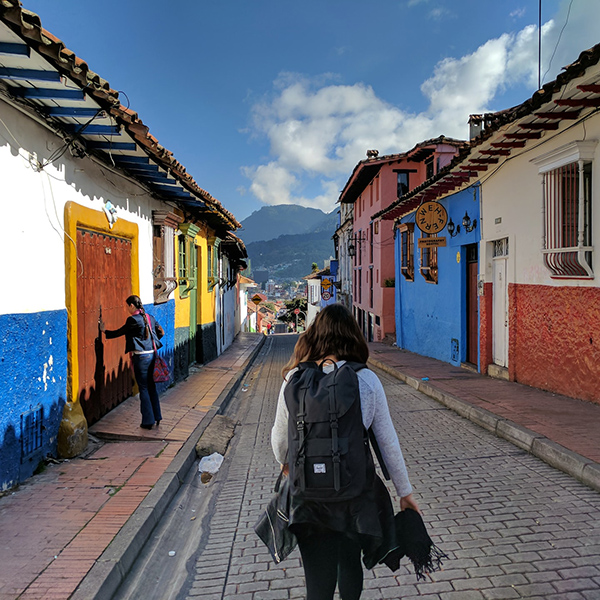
(133, 330)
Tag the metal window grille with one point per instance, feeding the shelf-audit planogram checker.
(31, 432)
(500, 247)
(407, 259)
(429, 263)
(169, 249)
(567, 223)
(183, 259)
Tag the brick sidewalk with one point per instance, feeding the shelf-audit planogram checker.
(558, 429)
(56, 525)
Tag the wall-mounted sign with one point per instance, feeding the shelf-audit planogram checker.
(256, 299)
(432, 242)
(431, 217)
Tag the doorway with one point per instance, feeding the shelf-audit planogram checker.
(103, 284)
(500, 303)
(472, 305)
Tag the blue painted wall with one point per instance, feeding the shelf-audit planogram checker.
(430, 316)
(33, 379)
(165, 315)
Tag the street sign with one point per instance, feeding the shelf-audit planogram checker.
(326, 295)
(256, 299)
(296, 311)
(326, 283)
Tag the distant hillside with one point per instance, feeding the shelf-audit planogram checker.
(271, 222)
(291, 256)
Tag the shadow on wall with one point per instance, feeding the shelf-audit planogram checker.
(201, 350)
(21, 455)
(109, 390)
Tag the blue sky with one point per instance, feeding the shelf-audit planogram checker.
(274, 102)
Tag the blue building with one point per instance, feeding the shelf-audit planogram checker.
(436, 255)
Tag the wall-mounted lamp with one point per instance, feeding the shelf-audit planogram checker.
(466, 222)
(356, 239)
(453, 230)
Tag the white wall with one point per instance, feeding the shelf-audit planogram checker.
(33, 202)
(514, 195)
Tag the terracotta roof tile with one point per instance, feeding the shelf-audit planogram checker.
(495, 141)
(28, 25)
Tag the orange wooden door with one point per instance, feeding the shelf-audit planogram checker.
(103, 284)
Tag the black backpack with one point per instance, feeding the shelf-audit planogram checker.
(328, 445)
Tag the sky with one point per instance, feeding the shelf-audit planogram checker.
(271, 102)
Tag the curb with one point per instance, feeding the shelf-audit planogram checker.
(583, 469)
(109, 571)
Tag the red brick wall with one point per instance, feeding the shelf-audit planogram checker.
(485, 328)
(554, 335)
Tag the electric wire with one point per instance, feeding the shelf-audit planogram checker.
(558, 41)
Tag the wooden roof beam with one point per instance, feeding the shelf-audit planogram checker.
(514, 144)
(473, 167)
(537, 125)
(559, 114)
(497, 152)
(594, 87)
(594, 102)
(528, 135)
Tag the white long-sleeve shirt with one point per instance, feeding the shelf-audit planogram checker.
(375, 414)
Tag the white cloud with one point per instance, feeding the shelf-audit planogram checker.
(517, 13)
(318, 130)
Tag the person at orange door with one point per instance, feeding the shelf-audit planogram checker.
(138, 331)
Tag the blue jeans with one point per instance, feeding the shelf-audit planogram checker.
(143, 369)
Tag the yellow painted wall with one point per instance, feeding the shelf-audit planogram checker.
(206, 314)
(206, 299)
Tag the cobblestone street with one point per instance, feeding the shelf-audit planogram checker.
(513, 526)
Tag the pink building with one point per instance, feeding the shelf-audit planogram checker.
(374, 184)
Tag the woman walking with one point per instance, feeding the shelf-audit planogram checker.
(332, 535)
(142, 333)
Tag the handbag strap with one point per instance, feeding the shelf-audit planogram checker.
(151, 333)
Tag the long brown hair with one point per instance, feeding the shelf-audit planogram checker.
(334, 332)
(136, 301)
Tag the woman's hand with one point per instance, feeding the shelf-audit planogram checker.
(409, 502)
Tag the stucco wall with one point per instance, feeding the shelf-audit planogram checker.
(557, 342)
(33, 376)
(33, 316)
(550, 321)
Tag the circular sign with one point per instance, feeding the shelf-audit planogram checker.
(296, 311)
(431, 217)
(326, 296)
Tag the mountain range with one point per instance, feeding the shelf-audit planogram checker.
(286, 239)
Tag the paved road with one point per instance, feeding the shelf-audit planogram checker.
(513, 526)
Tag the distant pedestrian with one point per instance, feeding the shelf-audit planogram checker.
(331, 535)
(139, 329)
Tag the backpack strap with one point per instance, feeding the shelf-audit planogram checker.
(377, 450)
(333, 424)
(301, 426)
(386, 474)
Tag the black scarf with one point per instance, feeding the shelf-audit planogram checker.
(414, 542)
